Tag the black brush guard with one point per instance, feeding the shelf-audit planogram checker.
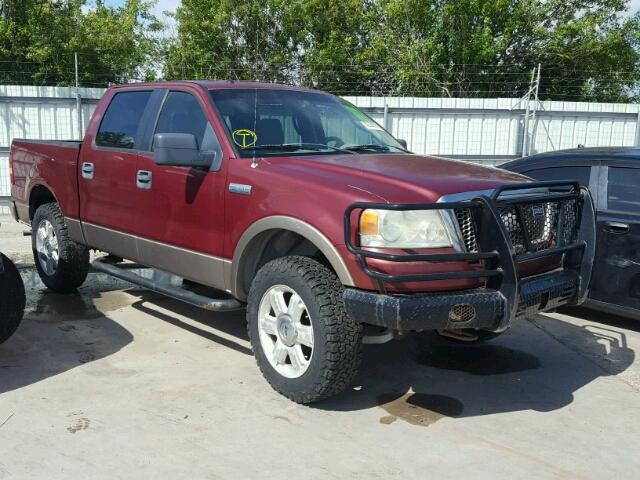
(505, 295)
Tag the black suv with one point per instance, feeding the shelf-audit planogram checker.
(613, 176)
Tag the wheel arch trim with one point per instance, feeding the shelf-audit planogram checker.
(295, 225)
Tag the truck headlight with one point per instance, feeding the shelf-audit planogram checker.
(403, 229)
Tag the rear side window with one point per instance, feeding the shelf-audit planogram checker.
(579, 174)
(623, 190)
(181, 113)
(120, 127)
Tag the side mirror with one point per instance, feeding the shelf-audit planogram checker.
(402, 142)
(180, 149)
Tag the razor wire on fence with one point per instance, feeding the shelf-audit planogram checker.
(354, 79)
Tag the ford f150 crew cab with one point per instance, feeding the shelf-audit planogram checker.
(297, 205)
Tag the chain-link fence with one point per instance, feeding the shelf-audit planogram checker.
(370, 79)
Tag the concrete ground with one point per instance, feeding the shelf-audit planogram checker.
(117, 382)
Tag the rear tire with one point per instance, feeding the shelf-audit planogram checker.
(305, 344)
(62, 264)
(12, 299)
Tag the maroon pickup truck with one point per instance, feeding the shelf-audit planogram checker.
(295, 204)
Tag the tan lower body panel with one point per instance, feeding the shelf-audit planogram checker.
(196, 266)
(74, 229)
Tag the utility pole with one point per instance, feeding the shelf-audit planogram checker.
(78, 100)
(529, 113)
(525, 130)
(535, 108)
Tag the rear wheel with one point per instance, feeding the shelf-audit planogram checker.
(305, 344)
(62, 264)
(12, 299)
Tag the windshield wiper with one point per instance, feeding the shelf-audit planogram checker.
(376, 147)
(294, 147)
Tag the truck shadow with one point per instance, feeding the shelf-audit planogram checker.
(61, 332)
(603, 318)
(538, 365)
(231, 323)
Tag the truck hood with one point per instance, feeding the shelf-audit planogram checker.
(404, 178)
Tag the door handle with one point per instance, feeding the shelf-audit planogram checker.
(616, 227)
(143, 179)
(87, 171)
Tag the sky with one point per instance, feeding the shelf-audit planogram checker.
(161, 5)
(170, 5)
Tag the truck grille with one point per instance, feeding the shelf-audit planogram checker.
(467, 228)
(531, 227)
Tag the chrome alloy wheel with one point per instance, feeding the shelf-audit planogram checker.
(47, 247)
(286, 332)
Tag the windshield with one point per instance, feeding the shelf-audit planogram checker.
(276, 121)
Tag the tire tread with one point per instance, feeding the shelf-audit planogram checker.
(343, 339)
(73, 263)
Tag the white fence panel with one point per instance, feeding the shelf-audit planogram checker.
(493, 130)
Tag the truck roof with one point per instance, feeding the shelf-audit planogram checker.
(215, 84)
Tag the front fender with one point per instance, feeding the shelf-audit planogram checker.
(281, 222)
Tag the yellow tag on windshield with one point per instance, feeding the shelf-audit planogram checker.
(244, 137)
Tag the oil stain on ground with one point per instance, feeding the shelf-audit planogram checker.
(475, 359)
(418, 409)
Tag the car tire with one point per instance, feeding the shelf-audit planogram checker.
(12, 299)
(62, 264)
(305, 344)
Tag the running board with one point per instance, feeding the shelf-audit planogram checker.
(173, 291)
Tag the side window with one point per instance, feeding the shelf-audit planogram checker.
(623, 190)
(120, 125)
(181, 113)
(580, 174)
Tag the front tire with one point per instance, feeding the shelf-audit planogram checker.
(305, 344)
(62, 264)
(12, 299)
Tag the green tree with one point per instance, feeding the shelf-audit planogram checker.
(587, 49)
(235, 39)
(38, 40)
(487, 48)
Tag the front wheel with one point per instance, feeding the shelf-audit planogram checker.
(62, 264)
(12, 299)
(305, 344)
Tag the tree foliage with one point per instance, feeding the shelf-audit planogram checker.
(587, 48)
(38, 40)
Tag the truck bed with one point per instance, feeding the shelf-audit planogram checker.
(49, 163)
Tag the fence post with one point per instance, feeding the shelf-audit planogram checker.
(535, 109)
(525, 132)
(78, 100)
(385, 115)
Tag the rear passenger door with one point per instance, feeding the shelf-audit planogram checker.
(107, 175)
(616, 276)
(180, 210)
